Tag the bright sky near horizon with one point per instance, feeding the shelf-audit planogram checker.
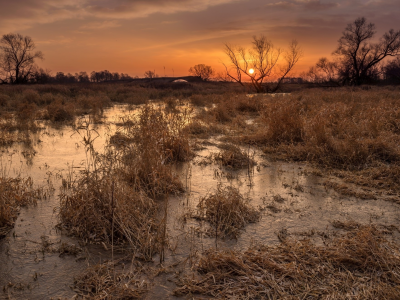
(132, 36)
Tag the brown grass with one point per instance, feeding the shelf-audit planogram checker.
(360, 265)
(113, 200)
(233, 157)
(14, 194)
(104, 281)
(353, 131)
(105, 209)
(154, 140)
(227, 211)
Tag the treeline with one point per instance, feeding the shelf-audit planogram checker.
(43, 76)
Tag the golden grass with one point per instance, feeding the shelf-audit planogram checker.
(359, 265)
(227, 211)
(153, 141)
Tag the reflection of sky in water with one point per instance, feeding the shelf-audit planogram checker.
(60, 150)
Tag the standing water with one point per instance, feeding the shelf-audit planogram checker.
(35, 266)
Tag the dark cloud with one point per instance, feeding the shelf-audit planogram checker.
(14, 16)
(304, 4)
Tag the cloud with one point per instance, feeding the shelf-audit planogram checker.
(143, 8)
(57, 41)
(101, 25)
(305, 4)
(14, 16)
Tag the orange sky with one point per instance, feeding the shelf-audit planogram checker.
(132, 36)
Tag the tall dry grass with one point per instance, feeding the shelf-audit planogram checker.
(154, 139)
(115, 199)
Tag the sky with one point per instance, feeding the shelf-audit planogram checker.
(170, 36)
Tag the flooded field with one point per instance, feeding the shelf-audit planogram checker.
(40, 261)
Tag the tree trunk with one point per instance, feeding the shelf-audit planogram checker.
(17, 75)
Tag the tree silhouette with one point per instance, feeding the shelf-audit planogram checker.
(17, 57)
(358, 60)
(203, 71)
(150, 74)
(262, 59)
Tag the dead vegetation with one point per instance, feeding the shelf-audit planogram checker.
(227, 212)
(62, 103)
(14, 194)
(105, 209)
(108, 281)
(114, 200)
(153, 141)
(233, 157)
(351, 131)
(359, 265)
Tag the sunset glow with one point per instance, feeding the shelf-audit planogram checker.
(251, 71)
(136, 36)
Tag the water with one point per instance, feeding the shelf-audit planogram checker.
(30, 270)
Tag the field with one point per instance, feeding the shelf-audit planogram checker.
(201, 190)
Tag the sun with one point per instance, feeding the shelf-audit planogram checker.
(251, 71)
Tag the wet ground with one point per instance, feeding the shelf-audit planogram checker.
(293, 201)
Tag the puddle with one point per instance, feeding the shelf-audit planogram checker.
(30, 270)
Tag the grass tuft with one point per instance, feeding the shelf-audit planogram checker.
(228, 212)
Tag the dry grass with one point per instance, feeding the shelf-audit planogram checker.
(153, 140)
(92, 98)
(105, 209)
(233, 157)
(227, 211)
(104, 281)
(360, 265)
(347, 130)
(14, 194)
(113, 200)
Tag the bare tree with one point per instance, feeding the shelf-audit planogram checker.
(18, 57)
(359, 57)
(260, 63)
(325, 73)
(223, 77)
(203, 71)
(150, 74)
